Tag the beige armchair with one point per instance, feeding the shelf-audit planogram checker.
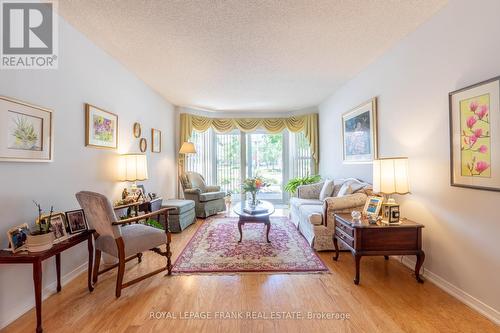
(209, 200)
(123, 239)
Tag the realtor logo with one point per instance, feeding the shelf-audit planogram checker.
(29, 35)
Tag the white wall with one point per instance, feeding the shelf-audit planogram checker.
(457, 47)
(85, 74)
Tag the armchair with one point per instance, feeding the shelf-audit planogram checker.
(209, 200)
(123, 239)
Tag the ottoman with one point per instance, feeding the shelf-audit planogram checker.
(183, 215)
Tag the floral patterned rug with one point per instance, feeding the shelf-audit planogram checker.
(215, 249)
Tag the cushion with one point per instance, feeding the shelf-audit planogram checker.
(197, 181)
(316, 219)
(181, 206)
(212, 196)
(327, 190)
(137, 238)
(346, 189)
(294, 202)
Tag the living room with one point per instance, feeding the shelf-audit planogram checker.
(302, 166)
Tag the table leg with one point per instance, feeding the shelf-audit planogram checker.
(239, 228)
(90, 247)
(357, 259)
(386, 257)
(268, 224)
(37, 281)
(418, 265)
(336, 245)
(58, 271)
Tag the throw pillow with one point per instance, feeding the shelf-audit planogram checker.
(327, 190)
(346, 189)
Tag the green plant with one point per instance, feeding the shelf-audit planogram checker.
(24, 131)
(155, 224)
(294, 183)
(43, 225)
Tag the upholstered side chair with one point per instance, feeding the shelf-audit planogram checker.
(123, 239)
(208, 200)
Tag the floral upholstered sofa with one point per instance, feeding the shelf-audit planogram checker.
(312, 211)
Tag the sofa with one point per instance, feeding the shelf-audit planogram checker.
(208, 200)
(315, 217)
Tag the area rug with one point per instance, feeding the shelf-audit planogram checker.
(214, 248)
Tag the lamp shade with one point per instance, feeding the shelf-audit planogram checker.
(390, 176)
(132, 167)
(187, 148)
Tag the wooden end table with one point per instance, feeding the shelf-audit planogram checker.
(364, 239)
(36, 258)
(254, 218)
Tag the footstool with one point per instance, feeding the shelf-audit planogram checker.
(183, 215)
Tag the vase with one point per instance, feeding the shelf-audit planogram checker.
(39, 243)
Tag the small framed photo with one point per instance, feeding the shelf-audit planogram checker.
(155, 140)
(17, 237)
(372, 206)
(57, 226)
(76, 221)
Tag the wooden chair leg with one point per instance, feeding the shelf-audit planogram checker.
(95, 273)
(139, 257)
(121, 266)
(169, 253)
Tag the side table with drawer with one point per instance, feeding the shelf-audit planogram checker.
(364, 239)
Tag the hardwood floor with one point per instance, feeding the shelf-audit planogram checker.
(387, 300)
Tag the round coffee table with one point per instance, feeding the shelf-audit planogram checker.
(254, 218)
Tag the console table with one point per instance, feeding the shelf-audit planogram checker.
(365, 239)
(36, 258)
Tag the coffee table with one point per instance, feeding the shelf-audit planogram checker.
(254, 218)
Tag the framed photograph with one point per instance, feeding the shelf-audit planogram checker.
(359, 133)
(17, 237)
(57, 226)
(101, 128)
(137, 130)
(373, 205)
(76, 221)
(27, 132)
(143, 145)
(155, 140)
(475, 136)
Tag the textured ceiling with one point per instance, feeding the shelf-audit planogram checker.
(246, 54)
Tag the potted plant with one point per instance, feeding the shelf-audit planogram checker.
(253, 186)
(294, 183)
(42, 238)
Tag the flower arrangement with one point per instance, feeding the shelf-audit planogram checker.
(43, 225)
(253, 186)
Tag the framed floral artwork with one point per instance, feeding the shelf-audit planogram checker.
(475, 136)
(101, 128)
(28, 132)
(359, 133)
(155, 140)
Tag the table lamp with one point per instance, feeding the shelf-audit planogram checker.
(390, 176)
(132, 168)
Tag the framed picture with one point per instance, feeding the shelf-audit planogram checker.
(475, 136)
(143, 145)
(76, 221)
(17, 237)
(57, 226)
(373, 205)
(155, 140)
(27, 132)
(359, 133)
(101, 128)
(137, 130)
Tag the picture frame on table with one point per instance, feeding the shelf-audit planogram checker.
(29, 132)
(474, 115)
(76, 220)
(359, 133)
(372, 206)
(57, 226)
(17, 237)
(101, 128)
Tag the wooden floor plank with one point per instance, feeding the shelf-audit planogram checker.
(387, 300)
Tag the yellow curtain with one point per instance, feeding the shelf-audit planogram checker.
(307, 124)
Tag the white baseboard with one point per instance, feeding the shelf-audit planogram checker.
(46, 292)
(456, 292)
